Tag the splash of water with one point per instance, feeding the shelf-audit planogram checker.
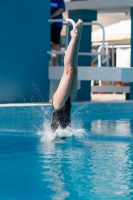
(46, 133)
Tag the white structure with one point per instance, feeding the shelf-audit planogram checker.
(118, 32)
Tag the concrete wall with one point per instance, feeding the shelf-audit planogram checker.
(100, 5)
(24, 40)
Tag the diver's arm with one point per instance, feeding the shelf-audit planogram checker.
(57, 12)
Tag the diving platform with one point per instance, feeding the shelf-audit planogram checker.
(108, 74)
(101, 5)
(111, 75)
(96, 73)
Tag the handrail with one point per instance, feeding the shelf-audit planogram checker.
(102, 27)
(62, 20)
(99, 58)
(85, 24)
(66, 22)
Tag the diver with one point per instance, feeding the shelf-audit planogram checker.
(66, 91)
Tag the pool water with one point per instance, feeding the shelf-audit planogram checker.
(94, 162)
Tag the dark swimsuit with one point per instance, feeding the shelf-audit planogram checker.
(61, 117)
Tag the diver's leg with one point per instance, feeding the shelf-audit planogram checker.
(62, 93)
(55, 47)
(74, 84)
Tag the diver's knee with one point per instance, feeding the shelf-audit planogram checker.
(75, 71)
(70, 71)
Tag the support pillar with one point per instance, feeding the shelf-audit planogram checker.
(131, 84)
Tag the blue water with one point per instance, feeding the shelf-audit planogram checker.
(94, 162)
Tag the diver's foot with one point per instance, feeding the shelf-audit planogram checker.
(77, 29)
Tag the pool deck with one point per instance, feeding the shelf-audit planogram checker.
(94, 98)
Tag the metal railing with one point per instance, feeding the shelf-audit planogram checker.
(66, 22)
(108, 46)
(71, 22)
